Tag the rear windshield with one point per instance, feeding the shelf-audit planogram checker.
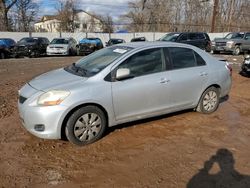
(234, 36)
(28, 40)
(170, 37)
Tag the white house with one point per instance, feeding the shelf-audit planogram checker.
(85, 22)
(48, 24)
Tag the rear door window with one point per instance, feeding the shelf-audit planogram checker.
(183, 37)
(182, 58)
(193, 36)
(199, 60)
(200, 36)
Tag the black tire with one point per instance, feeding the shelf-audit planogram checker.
(207, 48)
(236, 50)
(80, 125)
(34, 54)
(215, 52)
(2, 55)
(212, 96)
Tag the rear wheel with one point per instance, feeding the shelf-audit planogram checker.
(209, 101)
(86, 125)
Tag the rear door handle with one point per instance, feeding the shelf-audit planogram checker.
(203, 74)
(164, 80)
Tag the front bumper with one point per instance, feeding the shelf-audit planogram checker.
(222, 49)
(57, 52)
(246, 68)
(86, 50)
(51, 117)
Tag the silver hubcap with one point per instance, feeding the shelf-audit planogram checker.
(210, 101)
(87, 127)
(237, 50)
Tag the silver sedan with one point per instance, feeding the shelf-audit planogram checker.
(119, 84)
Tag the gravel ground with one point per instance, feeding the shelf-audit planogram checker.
(185, 149)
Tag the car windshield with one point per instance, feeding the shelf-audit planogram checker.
(2, 42)
(94, 63)
(27, 40)
(60, 41)
(170, 37)
(234, 36)
(115, 41)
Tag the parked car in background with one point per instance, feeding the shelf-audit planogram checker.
(138, 39)
(110, 87)
(114, 41)
(31, 47)
(62, 46)
(89, 45)
(3, 50)
(6, 47)
(245, 67)
(198, 39)
(234, 43)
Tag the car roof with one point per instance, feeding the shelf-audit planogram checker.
(65, 38)
(138, 45)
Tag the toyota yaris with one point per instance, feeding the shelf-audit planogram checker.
(119, 84)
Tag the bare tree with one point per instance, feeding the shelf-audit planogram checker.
(106, 23)
(26, 12)
(5, 6)
(187, 15)
(67, 15)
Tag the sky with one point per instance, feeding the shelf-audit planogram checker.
(114, 8)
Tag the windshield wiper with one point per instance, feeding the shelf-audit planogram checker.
(79, 69)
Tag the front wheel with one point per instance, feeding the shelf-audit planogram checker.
(209, 101)
(236, 50)
(86, 125)
(2, 55)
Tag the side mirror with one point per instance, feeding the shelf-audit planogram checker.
(77, 46)
(123, 74)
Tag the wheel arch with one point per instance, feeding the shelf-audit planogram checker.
(217, 86)
(64, 122)
(213, 85)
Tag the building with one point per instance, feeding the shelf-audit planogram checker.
(48, 24)
(84, 22)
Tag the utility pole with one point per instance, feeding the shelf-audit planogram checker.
(216, 3)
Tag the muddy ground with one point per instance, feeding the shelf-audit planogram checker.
(177, 150)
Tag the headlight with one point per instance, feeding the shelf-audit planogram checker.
(230, 44)
(213, 43)
(53, 97)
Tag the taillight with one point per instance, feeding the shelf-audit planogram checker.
(229, 68)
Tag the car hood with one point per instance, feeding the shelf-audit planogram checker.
(57, 79)
(58, 45)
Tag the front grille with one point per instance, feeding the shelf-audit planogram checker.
(221, 43)
(83, 47)
(22, 99)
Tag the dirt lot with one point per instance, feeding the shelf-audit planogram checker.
(177, 150)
